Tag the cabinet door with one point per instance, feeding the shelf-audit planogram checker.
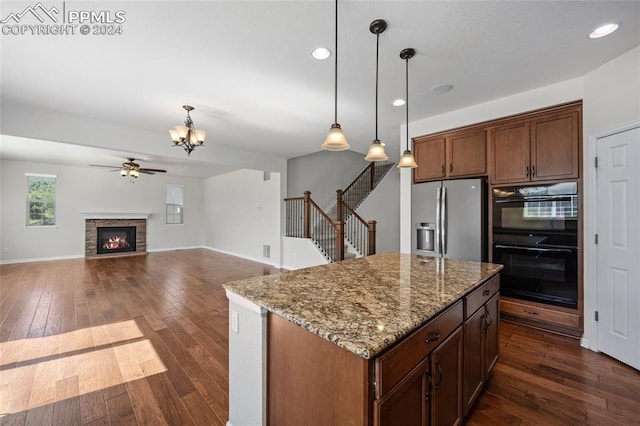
(429, 154)
(492, 334)
(447, 373)
(555, 146)
(408, 403)
(467, 154)
(474, 361)
(510, 153)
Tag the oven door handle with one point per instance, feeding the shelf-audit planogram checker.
(547, 250)
(525, 199)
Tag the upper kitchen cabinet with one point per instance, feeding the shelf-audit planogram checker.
(543, 147)
(457, 154)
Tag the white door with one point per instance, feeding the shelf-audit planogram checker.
(618, 248)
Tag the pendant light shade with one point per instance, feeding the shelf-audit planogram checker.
(336, 141)
(376, 149)
(407, 161)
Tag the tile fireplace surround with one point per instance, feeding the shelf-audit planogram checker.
(93, 221)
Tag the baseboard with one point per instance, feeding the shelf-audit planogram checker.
(288, 268)
(586, 343)
(242, 256)
(175, 248)
(42, 259)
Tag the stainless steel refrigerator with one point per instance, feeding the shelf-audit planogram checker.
(450, 219)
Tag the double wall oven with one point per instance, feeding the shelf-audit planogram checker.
(535, 237)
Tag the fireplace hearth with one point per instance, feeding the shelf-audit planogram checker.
(116, 239)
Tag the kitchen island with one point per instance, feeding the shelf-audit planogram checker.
(378, 340)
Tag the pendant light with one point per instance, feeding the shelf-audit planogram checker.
(407, 161)
(376, 149)
(336, 141)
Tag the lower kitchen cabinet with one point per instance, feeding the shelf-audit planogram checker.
(481, 343)
(431, 394)
(447, 374)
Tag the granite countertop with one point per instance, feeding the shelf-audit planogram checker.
(365, 305)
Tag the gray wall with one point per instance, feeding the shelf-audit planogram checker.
(383, 206)
(323, 173)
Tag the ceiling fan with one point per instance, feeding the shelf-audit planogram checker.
(131, 168)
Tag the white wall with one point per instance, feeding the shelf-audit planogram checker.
(534, 99)
(383, 206)
(611, 100)
(300, 253)
(242, 212)
(86, 189)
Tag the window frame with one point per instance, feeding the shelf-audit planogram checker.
(179, 206)
(29, 202)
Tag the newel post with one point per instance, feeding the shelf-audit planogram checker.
(371, 225)
(339, 240)
(339, 204)
(307, 214)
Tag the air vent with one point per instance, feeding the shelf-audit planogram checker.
(266, 176)
(266, 251)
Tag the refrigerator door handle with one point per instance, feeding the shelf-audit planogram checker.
(438, 227)
(443, 219)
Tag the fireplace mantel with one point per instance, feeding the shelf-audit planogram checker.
(116, 215)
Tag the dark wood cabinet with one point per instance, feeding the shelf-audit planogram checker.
(544, 147)
(467, 154)
(407, 404)
(481, 339)
(451, 155)
(446, 374)
(430, 157)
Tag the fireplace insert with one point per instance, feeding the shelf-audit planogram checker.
(116, 239)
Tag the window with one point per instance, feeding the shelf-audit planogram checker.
(175, 204)
(41, 200)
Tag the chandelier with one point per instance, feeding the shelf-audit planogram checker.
(187, 136)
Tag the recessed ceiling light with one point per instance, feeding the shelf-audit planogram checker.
(604, 30)
(399, 102)
(441, 89)
(321, 53)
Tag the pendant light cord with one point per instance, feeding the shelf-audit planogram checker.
(335, 91)
(377, 50)
(407, 99)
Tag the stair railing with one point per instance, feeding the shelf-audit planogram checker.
(305, 219)
(364, 183)
(359, 232)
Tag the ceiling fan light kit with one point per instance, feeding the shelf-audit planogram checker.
(132, 169)
(187, 136)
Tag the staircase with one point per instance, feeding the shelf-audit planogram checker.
(339, 233)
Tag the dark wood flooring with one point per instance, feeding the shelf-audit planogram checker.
(143, 340)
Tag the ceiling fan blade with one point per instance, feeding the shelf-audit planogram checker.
(144, 169)
(146, 172)
(100, 165)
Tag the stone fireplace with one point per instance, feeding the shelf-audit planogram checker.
(115, 234)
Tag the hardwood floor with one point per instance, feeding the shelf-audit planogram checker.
(143, 340)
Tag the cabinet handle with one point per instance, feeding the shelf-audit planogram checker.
(488, 314)
(440, 374)
(433, 337)
(486, 292)
(427, 396)
(450, 167)
(442, 170)
(484, 324)
(527, 172)
(531, 312)
(533, 171)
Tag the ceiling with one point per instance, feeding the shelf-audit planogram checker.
(247, 69)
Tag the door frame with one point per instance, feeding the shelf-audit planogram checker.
(590, 337)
